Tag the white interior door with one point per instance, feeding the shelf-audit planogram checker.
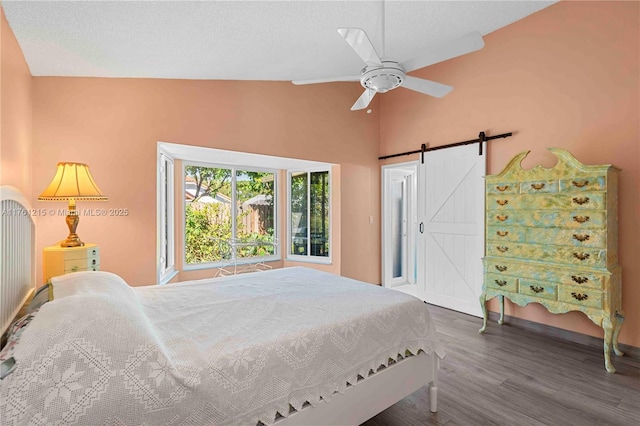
(399, 219)
(451, 230)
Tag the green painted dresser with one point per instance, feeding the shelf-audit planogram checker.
(552, 238)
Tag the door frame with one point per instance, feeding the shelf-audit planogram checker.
(411, 167)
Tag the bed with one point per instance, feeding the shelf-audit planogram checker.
(291, 346)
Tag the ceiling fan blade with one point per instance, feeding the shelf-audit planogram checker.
(359, 42)
(364, 100)
(327, 80)
(467, 44)
(427, 87)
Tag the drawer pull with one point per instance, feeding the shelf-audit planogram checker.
(536, 289)
(93, 252)
(581, 200)
(502, 233)
(501, 268)
(580, 183)
(502, 249)
(537, 186)
(501, 283)
(581, 219)
(93, 261)
(581, 237)
(580, 296)
(502, 188)
(502, 202)
(579, 280)
(502, 217)
(581, 256)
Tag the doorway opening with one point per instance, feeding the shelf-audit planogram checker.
(399, 221)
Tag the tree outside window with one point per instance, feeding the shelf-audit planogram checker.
(227, 203)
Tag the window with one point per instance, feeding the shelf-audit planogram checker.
(165, 249)
(225, 204)
(309, 212)
(233, 196)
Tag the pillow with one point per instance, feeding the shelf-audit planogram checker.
(7, 362)
(42, 296)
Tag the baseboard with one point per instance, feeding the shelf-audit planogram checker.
(572, 336)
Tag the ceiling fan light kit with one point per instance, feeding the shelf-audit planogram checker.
(382, 79)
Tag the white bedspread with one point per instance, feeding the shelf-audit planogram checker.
(229, 351)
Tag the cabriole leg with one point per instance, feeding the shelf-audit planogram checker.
(619, 319)
(607, 325)
(483, 304)
(501, 320)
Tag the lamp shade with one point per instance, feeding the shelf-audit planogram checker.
(72, 181)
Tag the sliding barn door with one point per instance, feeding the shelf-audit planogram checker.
(451, 228)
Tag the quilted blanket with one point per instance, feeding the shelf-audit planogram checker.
(227, 351)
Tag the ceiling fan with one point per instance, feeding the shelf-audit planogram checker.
(381, 75)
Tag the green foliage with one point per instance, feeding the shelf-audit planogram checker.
(209, 180)
(208, 225)
(203, 224)
(257, 250)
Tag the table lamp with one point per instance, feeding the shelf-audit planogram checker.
(72, 182)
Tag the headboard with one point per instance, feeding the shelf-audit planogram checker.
(17, 254)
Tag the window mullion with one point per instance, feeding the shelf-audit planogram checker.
(308, 213)
(234, 204)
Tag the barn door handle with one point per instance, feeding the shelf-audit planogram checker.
(422, 227)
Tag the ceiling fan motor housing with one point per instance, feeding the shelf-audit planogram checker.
(382, 78)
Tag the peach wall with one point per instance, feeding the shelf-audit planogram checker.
(114, 125)
(15, 112)
(568, 77)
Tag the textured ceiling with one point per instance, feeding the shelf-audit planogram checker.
(239, 40)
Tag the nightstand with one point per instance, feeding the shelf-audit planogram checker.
(58, 260)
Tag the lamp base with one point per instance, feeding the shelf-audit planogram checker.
(72, 241)
(72, 222)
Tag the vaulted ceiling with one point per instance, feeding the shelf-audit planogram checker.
(238, 40)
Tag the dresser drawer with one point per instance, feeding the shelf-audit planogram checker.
(81, 263)
(81, 253)
(74, 268)
(502, 188)
(567, 237)
(548, 218)
(580, 296)
(564, 201)
(554, 236)
(580, 184)
(541, 289)
(507, 233)
(539, 187)
(500, 282)
(568, 275)
(584, 257)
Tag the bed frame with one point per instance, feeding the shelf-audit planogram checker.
(359, 403)
(17, 254)
(373, 395)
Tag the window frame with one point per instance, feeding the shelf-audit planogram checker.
(234, 169)
(309, 258)
(165, 217)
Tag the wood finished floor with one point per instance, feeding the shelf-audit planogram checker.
(510, 376)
